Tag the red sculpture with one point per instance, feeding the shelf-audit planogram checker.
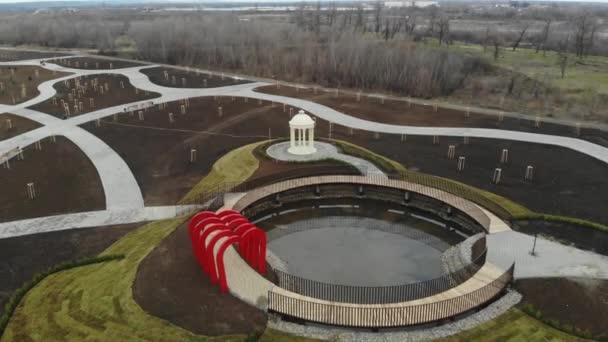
(212, 233)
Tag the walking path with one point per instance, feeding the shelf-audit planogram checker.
(249, 286)
(120, 185)
(324, 151)
(551, 259)
(91, 219)
(332, 115)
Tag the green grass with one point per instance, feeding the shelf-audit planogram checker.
(18, 295)
(96, 303)
(581, 94)
(499, 205)
(513, 326)
(234, 167)
(385, 164)
(581, 74)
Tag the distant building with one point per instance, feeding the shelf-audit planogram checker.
(410, 3)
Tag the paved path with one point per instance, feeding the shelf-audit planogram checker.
(552, 259)
(91, 219)
(251, 287)
(324, 151)
(329, 114)
(120, 186)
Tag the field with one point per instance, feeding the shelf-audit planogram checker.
(581, 93)
(59, 170)
(180, 150)
(118, 91)
(8, 55)
(20, 83)
(18, 125)
(400, 112)
(161, 158)
(93, 63)
(24, 256)
(178, 78)
(577, 302)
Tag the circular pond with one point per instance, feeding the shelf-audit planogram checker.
(350, 246)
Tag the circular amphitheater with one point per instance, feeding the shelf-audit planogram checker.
(402, 286)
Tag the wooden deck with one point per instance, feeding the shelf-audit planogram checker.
(482, 287)
(487, 283)
(487, 220)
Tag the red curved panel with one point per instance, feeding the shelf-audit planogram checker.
(236, 222)
(232, 217)
(220, 262)
(227, 212)
(210, 258)
(245, 244)
(201, 225)
(198, 217)
(202, 245)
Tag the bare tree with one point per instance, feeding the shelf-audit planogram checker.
(521, 35)
(378, 6)
(360, 22)
(563, 64)
(496, 42)
(584, 25)
(542, 41)
(486, 39)
(332, 13)
(443, 29)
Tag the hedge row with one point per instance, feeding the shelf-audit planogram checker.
(500, 206)
(564, 219)
(18, 295)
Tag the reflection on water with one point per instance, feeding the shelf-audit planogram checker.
(367, 245)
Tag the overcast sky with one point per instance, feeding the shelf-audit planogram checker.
(186, 1)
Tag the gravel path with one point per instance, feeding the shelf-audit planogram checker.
(394, 335)
(324, 151)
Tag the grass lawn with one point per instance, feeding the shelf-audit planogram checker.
(589, 72)
(96, 303)
(234, 167)
(513, 326)
(581, 94)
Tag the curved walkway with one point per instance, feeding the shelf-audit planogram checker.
(120, 186)
(246, 284)
(329, 114)
(324, 151)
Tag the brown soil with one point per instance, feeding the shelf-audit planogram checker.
(114, 97)
(398, 112)
(23, 256)
(65, 181)
(13, 78)
(193, 79)
(581, 303)
(90, 63)
(18, 55)
(170, 284)
(160, 157)
(566, 182)
(19, 125)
